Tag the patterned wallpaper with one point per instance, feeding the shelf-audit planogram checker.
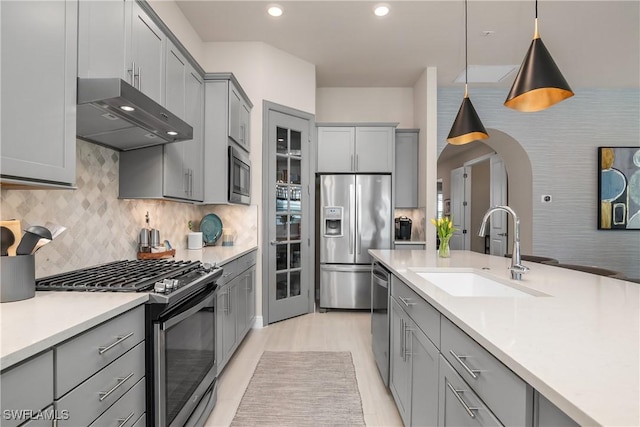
(561, 143)
(103, 228)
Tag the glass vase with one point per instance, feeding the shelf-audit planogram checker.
(443, 249)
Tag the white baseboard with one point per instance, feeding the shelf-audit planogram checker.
(257, 323)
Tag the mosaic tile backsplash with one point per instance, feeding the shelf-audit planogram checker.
(102, 228)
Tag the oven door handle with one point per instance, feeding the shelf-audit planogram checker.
(179, 317)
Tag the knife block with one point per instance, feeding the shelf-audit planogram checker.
(17, 277)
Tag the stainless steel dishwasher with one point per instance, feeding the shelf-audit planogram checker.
(380, 278)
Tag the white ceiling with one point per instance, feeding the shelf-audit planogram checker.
(594, 43)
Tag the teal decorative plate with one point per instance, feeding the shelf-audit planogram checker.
(211, 228)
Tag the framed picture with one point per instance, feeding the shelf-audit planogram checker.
(619, 188)
(447, 207)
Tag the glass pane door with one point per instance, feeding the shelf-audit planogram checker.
(289, 214)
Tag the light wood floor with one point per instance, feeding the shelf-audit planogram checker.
(331, 331)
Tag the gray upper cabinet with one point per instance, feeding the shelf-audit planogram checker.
(366, 149)
(147, 54)
(226, 107)
(406, 168)
(173, 170)
(39, 92)
(118, 39)
(239, 112)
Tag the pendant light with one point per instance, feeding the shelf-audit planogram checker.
(467, 126)
(539, 83)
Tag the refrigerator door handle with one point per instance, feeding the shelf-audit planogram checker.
(347, 268)
(352, 218)
(358, 218)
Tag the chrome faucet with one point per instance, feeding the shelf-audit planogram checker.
(517, 269)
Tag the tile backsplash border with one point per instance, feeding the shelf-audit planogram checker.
(102, 228)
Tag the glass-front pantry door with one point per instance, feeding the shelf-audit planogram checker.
(289, 275)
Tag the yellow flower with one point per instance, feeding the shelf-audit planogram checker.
(444, 227)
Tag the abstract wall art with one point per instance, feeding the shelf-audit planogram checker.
(619, 188)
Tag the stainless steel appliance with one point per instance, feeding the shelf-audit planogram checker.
(239, 177)
(380, 279)
(355, 216)
(180, 347)
(403, 228)
(112, 112)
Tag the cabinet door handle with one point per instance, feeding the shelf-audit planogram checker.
(406, 302)
(357, 162)
(402, 338)
(104, 394)
(408, 351)
(119, 339)
(466, 367)
(140, 78)
(123, 421)
(457, 394)
(132, 71)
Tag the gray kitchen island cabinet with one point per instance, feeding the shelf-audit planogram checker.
(119, 39)
(39, 92)
(235, 306)
(366, 149)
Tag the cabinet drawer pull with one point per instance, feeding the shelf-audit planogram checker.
(471, 372)
(406, 302)
(104, 394)
(466, 407)
(119, 339)
(123, 421)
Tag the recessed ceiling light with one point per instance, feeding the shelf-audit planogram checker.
(172, 133)
(127, 108)
(275, 10)
(381, 10)
(486, 73)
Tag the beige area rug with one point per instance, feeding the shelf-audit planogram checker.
(309, 388)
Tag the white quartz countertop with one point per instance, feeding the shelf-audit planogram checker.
(36, 324)
(579, 346)
(33, 325)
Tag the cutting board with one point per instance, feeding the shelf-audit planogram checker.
(16, 229)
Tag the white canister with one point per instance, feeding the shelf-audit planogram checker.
(194, 240)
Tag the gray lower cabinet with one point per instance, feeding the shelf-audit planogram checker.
(459, 406)
(235, 306)
(413, 377)
(365, 149)
(27, 387)
(406, 168)
(546, 414)
(226, 123)
(39, 92)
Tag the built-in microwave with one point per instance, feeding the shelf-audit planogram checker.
(239, 177)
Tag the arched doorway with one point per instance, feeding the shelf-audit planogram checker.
(519, 175)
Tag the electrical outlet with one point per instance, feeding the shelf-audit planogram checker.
(546, 198)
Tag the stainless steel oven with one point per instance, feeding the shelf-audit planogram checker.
(239, 177)
(380, 319)
(185, 367)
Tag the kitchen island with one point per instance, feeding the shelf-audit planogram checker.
(574, 337)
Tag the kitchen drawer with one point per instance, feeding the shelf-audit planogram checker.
(142, 421)
(80, 357)
(246, 261)
(126, 411)
(46, 418)
(229, 271)
(426, 317)
(458, 405)
(28, 386)
(508, 396)
(83, 402)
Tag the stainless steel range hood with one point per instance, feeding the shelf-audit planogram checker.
(113, 113)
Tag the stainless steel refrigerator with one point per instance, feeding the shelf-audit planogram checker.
(355, 216)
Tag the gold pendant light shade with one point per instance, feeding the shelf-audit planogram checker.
(539, 83)
(467, 126)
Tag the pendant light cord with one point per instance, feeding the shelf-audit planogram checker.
(466, 51)
(536, 9)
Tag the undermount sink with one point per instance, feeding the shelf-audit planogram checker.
(468, 284)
